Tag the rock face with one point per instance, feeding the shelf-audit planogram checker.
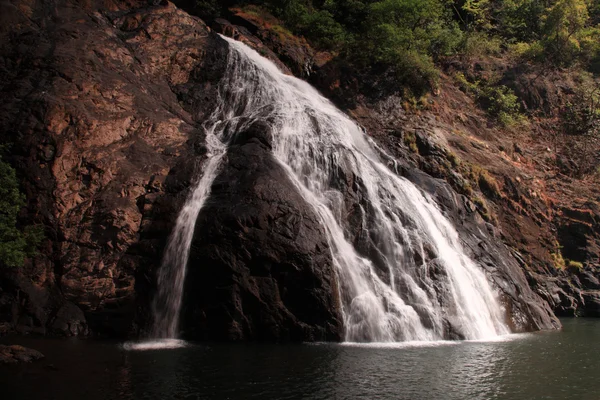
(104, 105)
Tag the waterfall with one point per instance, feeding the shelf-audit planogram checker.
(403, 276)
(171, 275)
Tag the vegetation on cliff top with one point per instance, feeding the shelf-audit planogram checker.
(412, 39)
(411, 35)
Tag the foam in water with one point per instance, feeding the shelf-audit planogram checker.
(159, 344)
(404, 277)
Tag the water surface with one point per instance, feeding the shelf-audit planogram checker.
(547, 365)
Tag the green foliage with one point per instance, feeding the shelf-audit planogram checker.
(503, 104)
(15, 244)
(520, 20)
(323, 30)
(207, 8)
(453, 158)
(319, 26)
(479, 44)
(498, 100)
(558, 260)
(581, 116)
(488, 184)
(566, 35)
(483, 209)
(410, 140)
(397, 27)
(528, 51)
(477, 14)
(408, 35)
(589, 43)
(575, 264)
(594, 10)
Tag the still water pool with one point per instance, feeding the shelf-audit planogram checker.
(546, 365)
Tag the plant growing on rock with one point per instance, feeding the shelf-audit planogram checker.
(499, 101)
(15, 243)
(576, 265)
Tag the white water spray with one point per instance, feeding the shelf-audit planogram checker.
(404, 277)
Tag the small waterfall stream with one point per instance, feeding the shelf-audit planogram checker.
(171, 275)
(387, 293)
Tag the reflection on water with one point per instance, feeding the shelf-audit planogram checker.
(550, 365)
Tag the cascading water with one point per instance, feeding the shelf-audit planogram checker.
(388, 293)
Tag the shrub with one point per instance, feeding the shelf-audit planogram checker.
(323, 30)
(479, 44)
(410, 140)
(488, 184)
(483, 209)
(575, 264)
(590, 49)
(499, 101)
(580, 128)
(528, 51)
(558, 260)
(407, 35)
(520, 20)
(503, 104)
(563, 30)
(15, 243)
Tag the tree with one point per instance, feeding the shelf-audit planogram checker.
(520, 20)
(477, 14)
(408, 35)
(563, 24)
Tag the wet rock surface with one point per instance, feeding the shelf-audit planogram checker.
(526, 311)
(260, 266)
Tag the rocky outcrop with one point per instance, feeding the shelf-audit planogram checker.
(480, 239)
(15, 354)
